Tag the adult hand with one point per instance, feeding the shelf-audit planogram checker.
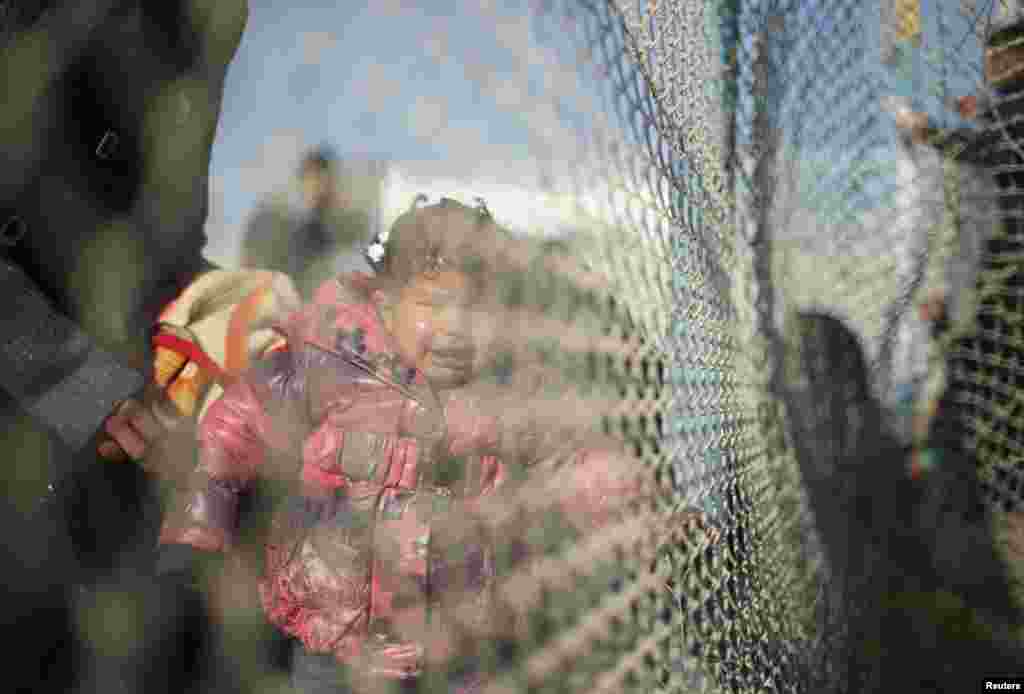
(917, 125)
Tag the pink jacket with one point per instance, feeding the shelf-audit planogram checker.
(349, 563)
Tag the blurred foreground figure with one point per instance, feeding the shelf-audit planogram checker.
(915, 588)
(388, 443)
(322, 238)
(110, 110)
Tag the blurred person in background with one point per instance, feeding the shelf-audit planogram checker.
(323, 238)
(910, 563)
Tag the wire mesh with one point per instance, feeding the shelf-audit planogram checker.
(737, 306)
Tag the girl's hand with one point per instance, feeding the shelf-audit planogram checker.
(152, 433)
(131, 430)
(695, 520)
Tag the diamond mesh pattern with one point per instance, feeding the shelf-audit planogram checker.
(736, 185)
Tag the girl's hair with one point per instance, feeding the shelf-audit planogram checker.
(432, 238)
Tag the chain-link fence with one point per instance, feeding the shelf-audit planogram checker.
(759, 203)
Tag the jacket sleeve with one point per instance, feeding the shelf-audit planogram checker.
(599, 483)
(592, 482)
(260, 415)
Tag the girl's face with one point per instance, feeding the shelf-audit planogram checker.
(431, 319)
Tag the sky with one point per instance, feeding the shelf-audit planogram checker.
(449, 92)
(422, 85)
